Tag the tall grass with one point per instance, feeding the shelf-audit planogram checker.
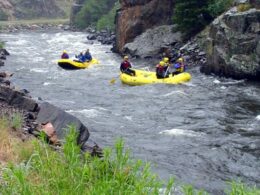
(12, 148)
(17, 121)
(71, 172)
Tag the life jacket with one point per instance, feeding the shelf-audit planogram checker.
(125, 65)
(160, 70)
(64, 56)
(179, 67)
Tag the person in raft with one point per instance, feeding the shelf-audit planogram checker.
(126, 66)
(88, 56)
(179, 66)
(161, 72)
(166, 65)
(65, 55)
(81, 57)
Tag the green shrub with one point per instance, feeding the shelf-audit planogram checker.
(193, 15)
(92, 11)
(3, 15)
(108, 21)
(17, 121)
(217, 7)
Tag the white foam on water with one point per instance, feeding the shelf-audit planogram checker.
(20, 42)
(233, 82)
(173, 93)
(130, 118)
(216, 81)
(180, 132)
(189, 84)
(40, 70)
(258, 117)
(90, 113)
(223, 87)
(101, 108)
(47, 83)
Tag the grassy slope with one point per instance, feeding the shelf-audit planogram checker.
(12, 147)
(69, 172)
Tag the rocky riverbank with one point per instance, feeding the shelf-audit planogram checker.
(37, 116)
(10, 28)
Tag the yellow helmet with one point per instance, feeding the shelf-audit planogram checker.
(125, 57)
(162, 63)
(166, 59)
(64, 51)
(180, 60)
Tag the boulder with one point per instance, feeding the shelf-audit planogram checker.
(136, 16)
(153, 41)
(60, 120)
(233, 45)
(17, 99)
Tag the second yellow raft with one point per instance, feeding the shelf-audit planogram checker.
(72, 64)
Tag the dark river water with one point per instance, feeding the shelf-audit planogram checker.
(204, 133)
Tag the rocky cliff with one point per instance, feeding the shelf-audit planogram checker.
(136, 16)
(75, 8)
(233, 45)
(30, 9)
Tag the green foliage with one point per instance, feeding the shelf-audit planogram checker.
(3, 15)
(2, 45)
(92, 11)
(3, 122)
(238, 188)
(217, 7)
(17, 121)
(107, 21)
(193, 15)
(70, 172)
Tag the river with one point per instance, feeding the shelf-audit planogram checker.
(205, 132)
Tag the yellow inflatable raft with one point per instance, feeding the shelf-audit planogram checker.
(71, 64)
(146, 77)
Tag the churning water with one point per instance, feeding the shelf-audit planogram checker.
(205, 132)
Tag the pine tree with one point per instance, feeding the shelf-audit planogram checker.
(191, 16)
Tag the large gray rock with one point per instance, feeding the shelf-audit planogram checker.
(136, 16)
(60, 121)
(17, 99)
(151, 42)
(233, 45)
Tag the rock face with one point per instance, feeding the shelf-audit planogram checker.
(233, 45)
(7, 8)
(153, 41)
(27, 9)
(136, 16)
(75, 8)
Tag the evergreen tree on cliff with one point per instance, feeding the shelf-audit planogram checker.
(191, 16)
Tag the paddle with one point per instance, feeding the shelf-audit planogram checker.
(113, 80)
(166, 71)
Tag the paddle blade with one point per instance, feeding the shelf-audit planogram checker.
(112, 81)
